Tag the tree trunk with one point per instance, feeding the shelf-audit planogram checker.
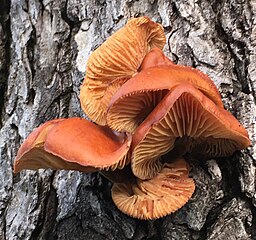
(44, 45)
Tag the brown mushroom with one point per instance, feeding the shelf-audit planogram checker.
(151, 199)
(115, 61)
(73, 143)
(185, 112)
(132, 103)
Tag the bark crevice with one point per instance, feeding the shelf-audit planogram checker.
(5, 41)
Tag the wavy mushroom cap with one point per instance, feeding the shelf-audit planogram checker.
(115, 61)
(151, 199)
(185, 112)
(155, 58)
(74, 144)
(133, 102)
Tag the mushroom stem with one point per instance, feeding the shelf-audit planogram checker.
(182, 146)
(119, 175)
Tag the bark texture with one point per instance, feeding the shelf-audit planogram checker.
(44, 45)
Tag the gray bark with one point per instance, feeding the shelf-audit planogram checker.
(44, 45)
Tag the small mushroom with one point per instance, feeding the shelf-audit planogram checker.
(74, 144)
(185, 112)
(151, 199)
(115, 61)
(135, 99)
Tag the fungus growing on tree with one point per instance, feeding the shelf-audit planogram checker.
(115, 61)
(73, 143)
(154, 198)
(167, 108)
(185, 112)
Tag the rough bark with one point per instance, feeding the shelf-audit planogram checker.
(44, 45)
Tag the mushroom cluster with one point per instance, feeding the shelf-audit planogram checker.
(142, 106)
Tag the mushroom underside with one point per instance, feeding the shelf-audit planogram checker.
(141, 91)
(157, 197)
(185, 113)
(118, 58)
(128, 114)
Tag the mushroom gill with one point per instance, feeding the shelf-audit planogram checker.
(151, 199)
(74, 144)
(131, 103)
(185, 112)
(115, 61)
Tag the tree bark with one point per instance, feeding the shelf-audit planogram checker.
(44, 45)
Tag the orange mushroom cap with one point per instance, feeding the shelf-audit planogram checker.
(185, 112)
(115, 61)
(155, 58)
(75, 144)
(151, 199)
(132, 103)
